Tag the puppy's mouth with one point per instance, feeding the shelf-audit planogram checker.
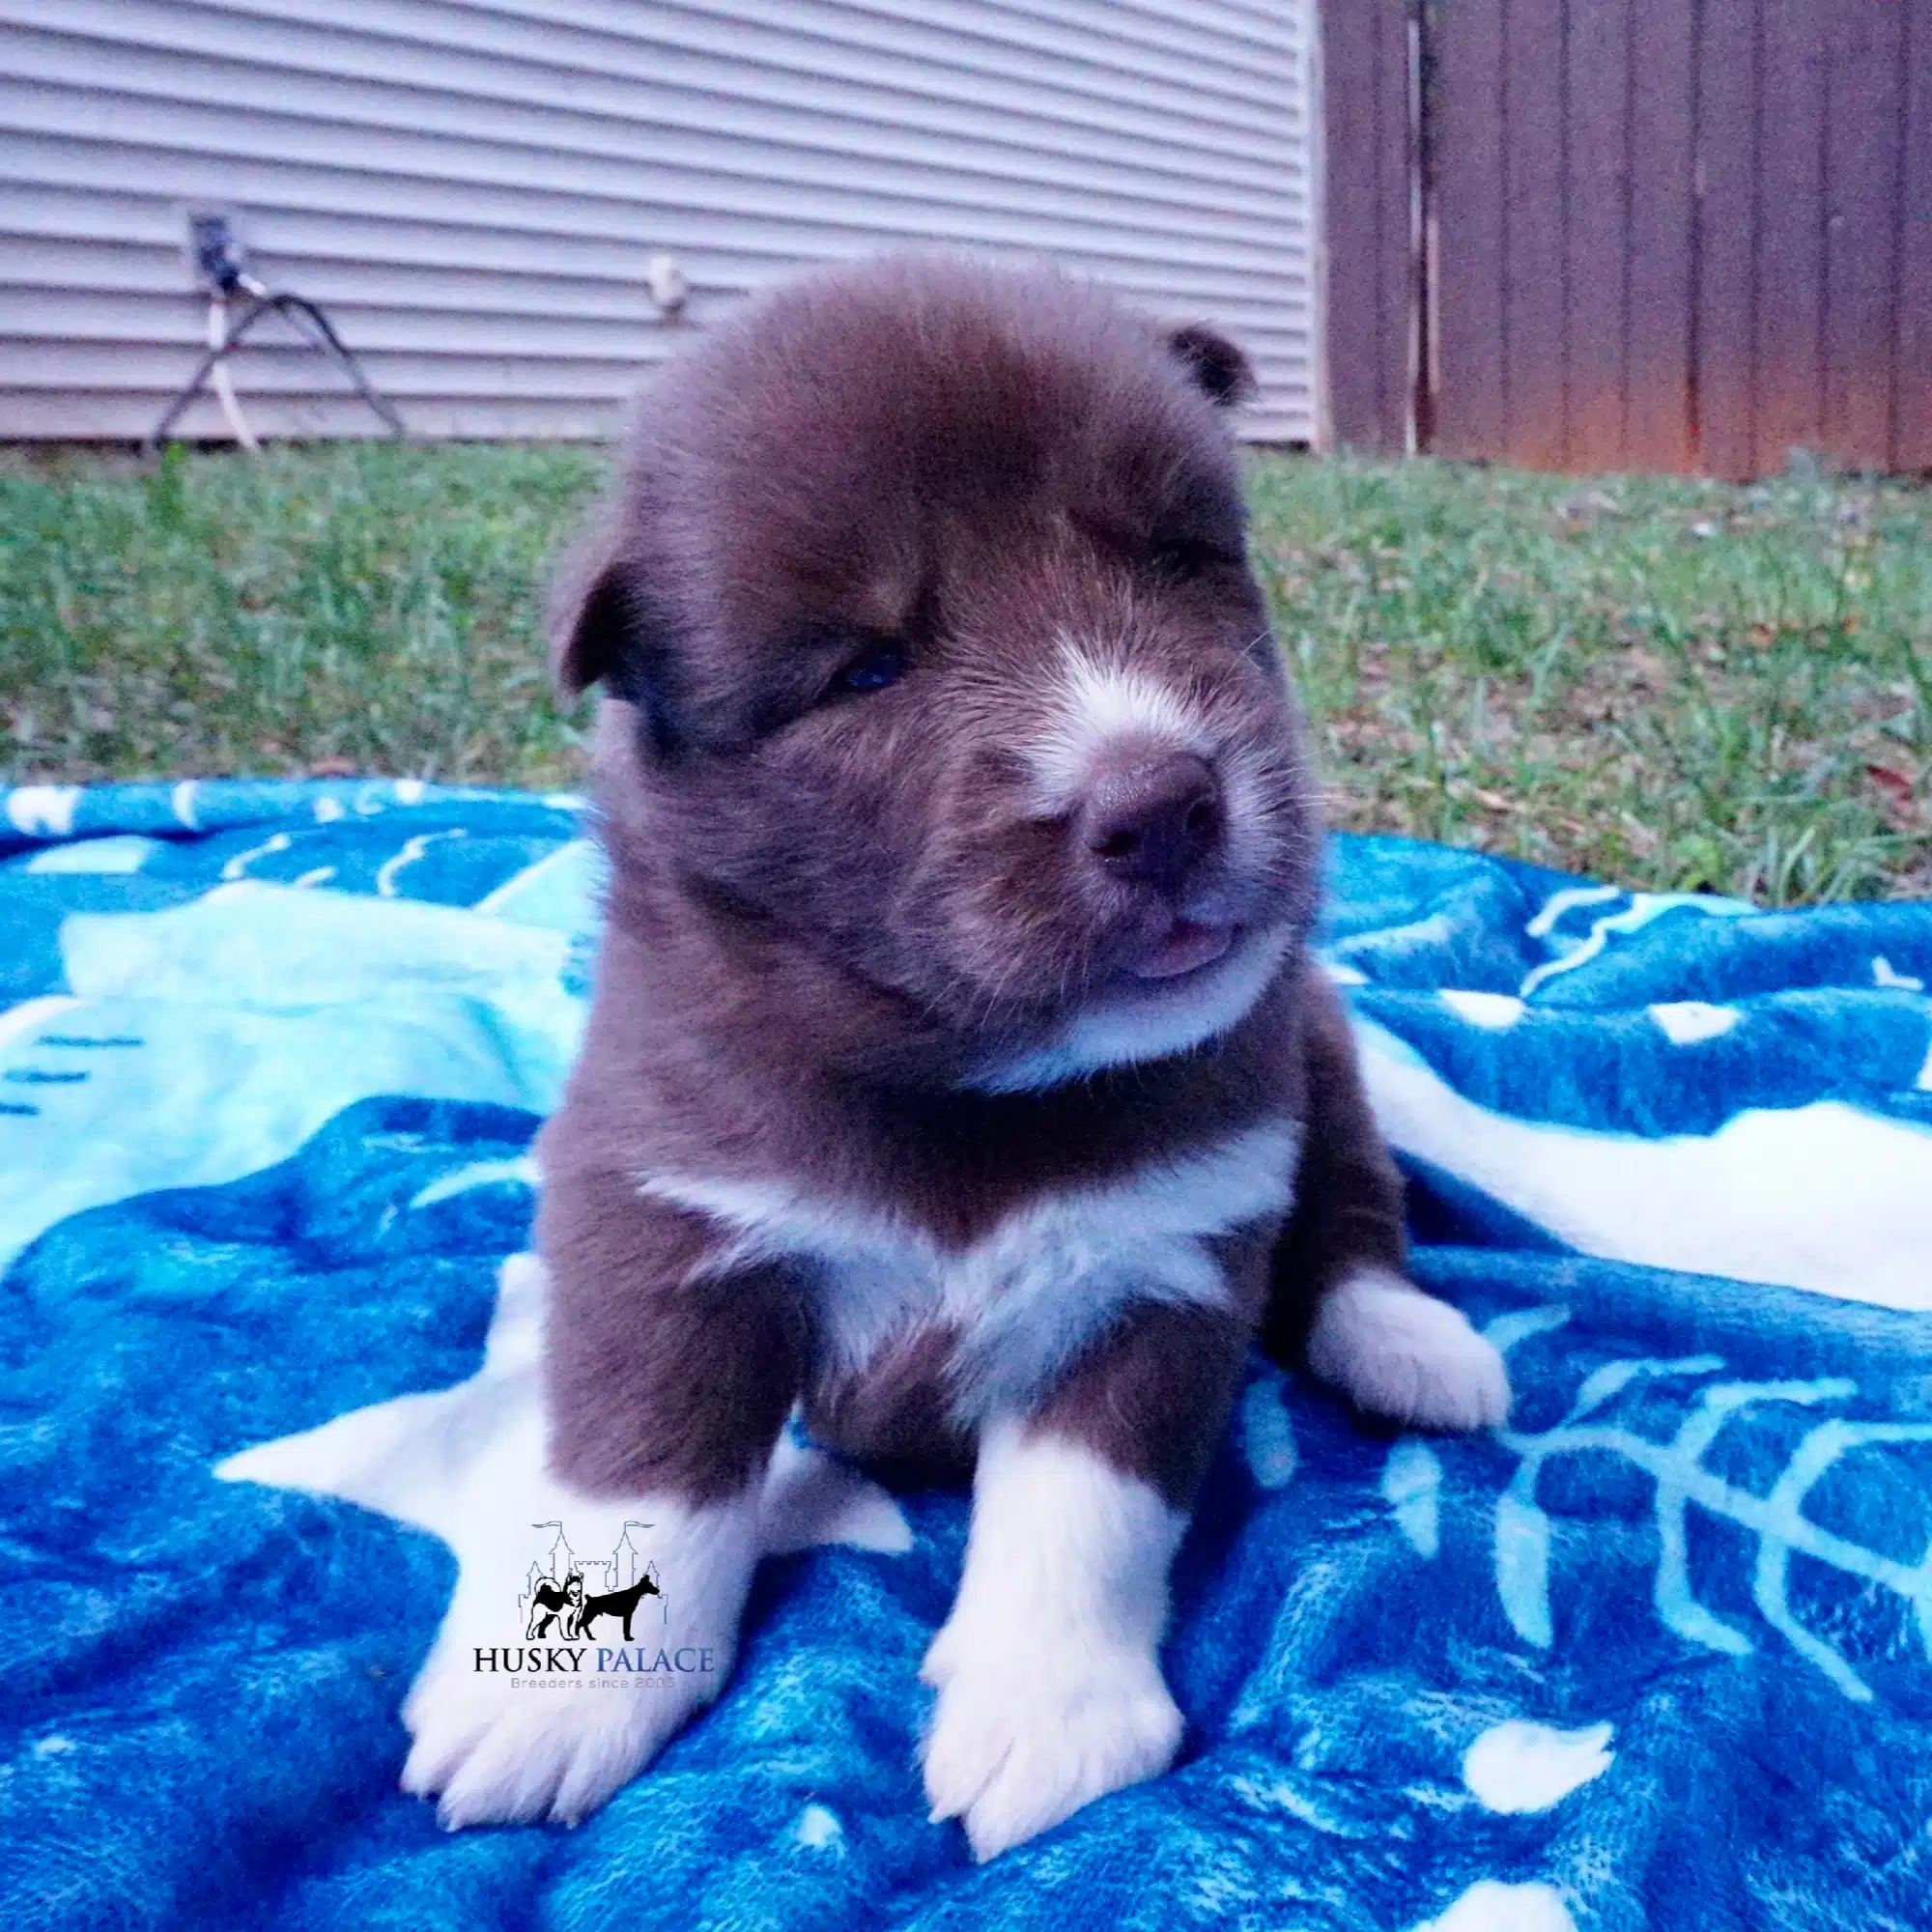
(1187, 947)
(1193, 981)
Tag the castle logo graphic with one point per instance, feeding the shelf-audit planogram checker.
(565, 1595)
(572, 1610)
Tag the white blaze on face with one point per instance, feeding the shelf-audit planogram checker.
(1098, 701)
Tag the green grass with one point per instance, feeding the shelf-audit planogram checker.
(348, 606)
(1668, 683)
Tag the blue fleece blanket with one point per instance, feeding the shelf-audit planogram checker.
(1658, 1653)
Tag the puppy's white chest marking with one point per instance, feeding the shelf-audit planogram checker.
(1031, 1294)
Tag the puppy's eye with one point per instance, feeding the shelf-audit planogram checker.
(1186, 557)
(871, 670)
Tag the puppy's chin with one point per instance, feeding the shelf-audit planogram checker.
(1144, 1014)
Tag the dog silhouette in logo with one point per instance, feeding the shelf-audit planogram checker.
(561, 1604)
(617, 1604)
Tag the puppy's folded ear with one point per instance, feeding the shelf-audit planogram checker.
(603, 629)
(1219, 368)
(588, 616)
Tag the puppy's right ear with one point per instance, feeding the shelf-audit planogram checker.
(589, 617)
(603, 629)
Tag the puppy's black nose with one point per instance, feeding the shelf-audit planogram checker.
(1154, 820)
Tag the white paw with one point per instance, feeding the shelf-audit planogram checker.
(494, 1755)
(549, 1729)
(1017, 1745)
(1401, 1353)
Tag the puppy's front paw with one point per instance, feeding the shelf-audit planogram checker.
(1401, 1353)
(496, 1755)
(1018, 1745)
(560, 1723)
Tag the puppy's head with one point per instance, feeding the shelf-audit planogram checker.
(936, 653)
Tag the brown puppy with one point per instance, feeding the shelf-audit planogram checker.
(956, 1067)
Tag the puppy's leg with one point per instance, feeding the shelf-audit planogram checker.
(1342, 1290)
(667, 1374)
(1050, 1691)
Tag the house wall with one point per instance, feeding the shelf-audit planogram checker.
(475, 191)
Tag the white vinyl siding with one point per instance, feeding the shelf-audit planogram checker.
(473, 191)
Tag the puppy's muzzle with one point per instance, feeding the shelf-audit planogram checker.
(1155, 819)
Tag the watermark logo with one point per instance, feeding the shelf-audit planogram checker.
(569, 1600)
(556, 1599)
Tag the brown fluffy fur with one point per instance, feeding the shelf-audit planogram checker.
(827, 912)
